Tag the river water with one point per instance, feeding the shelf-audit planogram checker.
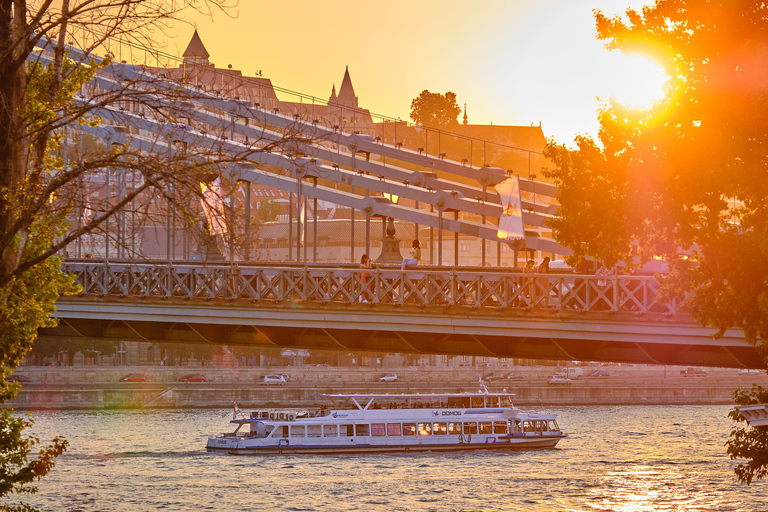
(629, 458)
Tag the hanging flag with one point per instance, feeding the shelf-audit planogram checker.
(213, 206)
(234, 415)
(303, 221)
(511, 220)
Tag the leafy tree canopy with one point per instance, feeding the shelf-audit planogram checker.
(686, 177)
(687, 172)
(268, 210)
(435, 110)
(41, 192)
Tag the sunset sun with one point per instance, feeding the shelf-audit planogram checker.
(636, 80)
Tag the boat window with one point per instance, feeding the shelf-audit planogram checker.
(528, 426)
(393, 429)
(454, 429)
(378, 429)
(314, 430)
(409, 429)
(297, 430)
(514, 427)
(491, 401)
(455, 403)
(553, 425)
(425, 429)
(506, 401)
(284, 428)
(350, 430)
(439, 429)
(259, 429)
(486, 427)
(362, 430)
(465, 403)
(499, 427)
(470, 428)
(330, 431)
(477, 402)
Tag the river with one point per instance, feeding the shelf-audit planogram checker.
(627, 458)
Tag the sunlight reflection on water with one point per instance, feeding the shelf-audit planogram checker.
(615, 459)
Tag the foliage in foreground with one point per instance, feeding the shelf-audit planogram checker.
(17, 471)
(748, 442)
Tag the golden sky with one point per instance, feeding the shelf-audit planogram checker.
(513, 62)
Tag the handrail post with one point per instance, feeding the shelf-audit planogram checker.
(454, 287)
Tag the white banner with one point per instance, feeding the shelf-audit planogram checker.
(511, 220)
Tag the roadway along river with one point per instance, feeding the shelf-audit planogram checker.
(616, 458)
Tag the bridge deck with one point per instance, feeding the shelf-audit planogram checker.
(456, 311)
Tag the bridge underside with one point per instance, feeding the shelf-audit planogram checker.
(647, 338)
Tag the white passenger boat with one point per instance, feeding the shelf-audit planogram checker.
(383, 423)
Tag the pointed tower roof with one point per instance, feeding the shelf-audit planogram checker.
(333, 93)
(346, 91)
(196, 52)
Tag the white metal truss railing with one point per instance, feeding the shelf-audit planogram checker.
(415, 286)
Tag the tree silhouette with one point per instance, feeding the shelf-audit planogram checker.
(435, 110)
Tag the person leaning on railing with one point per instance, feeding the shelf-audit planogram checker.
(365, 264)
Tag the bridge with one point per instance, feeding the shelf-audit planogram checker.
(227, 299)
(483, 312)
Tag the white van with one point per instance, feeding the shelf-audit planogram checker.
(571, 373)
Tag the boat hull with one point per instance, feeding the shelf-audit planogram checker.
(514, 444)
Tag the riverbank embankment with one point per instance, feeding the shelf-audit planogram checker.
(101, 388)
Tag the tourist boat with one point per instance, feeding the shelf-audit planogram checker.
(385, 423)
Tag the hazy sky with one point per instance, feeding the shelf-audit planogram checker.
(513, 62)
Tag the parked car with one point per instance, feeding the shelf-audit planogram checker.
(495, 376)
(558, 380)
(748, 371)
(269, 380)
(286, 376)
(194, 377)
(133, 377)
(390, 377)
(18, 378)
(515, 376)
(602, 372)
(693, 372)
(56, 363)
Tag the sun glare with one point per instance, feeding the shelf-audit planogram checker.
(636, 80)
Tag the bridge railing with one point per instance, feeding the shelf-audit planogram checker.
(415, 286)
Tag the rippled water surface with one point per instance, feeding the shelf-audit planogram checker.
(615, 458)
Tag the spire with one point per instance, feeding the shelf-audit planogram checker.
(465, 113)
(196, 52)
(347, 92)
(333, 93)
